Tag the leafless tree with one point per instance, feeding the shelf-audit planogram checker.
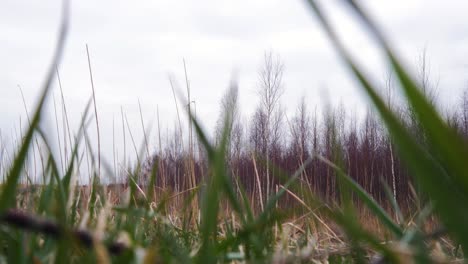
(464, 112)
(257, 134)
(300, 138)
(270, 89)
(237, 142)
(429, 90)
(300, 130)
(276, 134)
(428, 87)
(389, 96)
(229, 113)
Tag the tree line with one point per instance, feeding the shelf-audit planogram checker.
(272, 145)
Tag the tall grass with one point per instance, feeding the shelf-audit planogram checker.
(60, 221)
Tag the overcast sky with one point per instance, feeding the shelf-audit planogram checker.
(135, 45)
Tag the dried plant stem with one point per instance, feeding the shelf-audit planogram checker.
(133, 141)
(123, 134)
(66, 127)
(29, 123)
(163, 177)
(258, 182)
(144, 131)
(95, 112)
(58, 137)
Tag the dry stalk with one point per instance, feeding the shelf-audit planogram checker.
(258, 182)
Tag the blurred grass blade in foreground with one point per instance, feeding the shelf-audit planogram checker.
(438, 166)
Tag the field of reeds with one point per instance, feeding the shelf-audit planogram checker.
(390, 188)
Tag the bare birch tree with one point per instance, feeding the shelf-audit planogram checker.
(270, 89)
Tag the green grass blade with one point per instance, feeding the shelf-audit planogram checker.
(150, 188)
(271, 203)
(445, 142)
(211, 196)
(365, 198)
(426, 169)
(393, 202)
(7, 197)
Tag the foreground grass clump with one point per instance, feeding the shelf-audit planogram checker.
(214, 222)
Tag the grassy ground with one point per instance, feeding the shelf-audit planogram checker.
(166, 228)
(214, 222)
